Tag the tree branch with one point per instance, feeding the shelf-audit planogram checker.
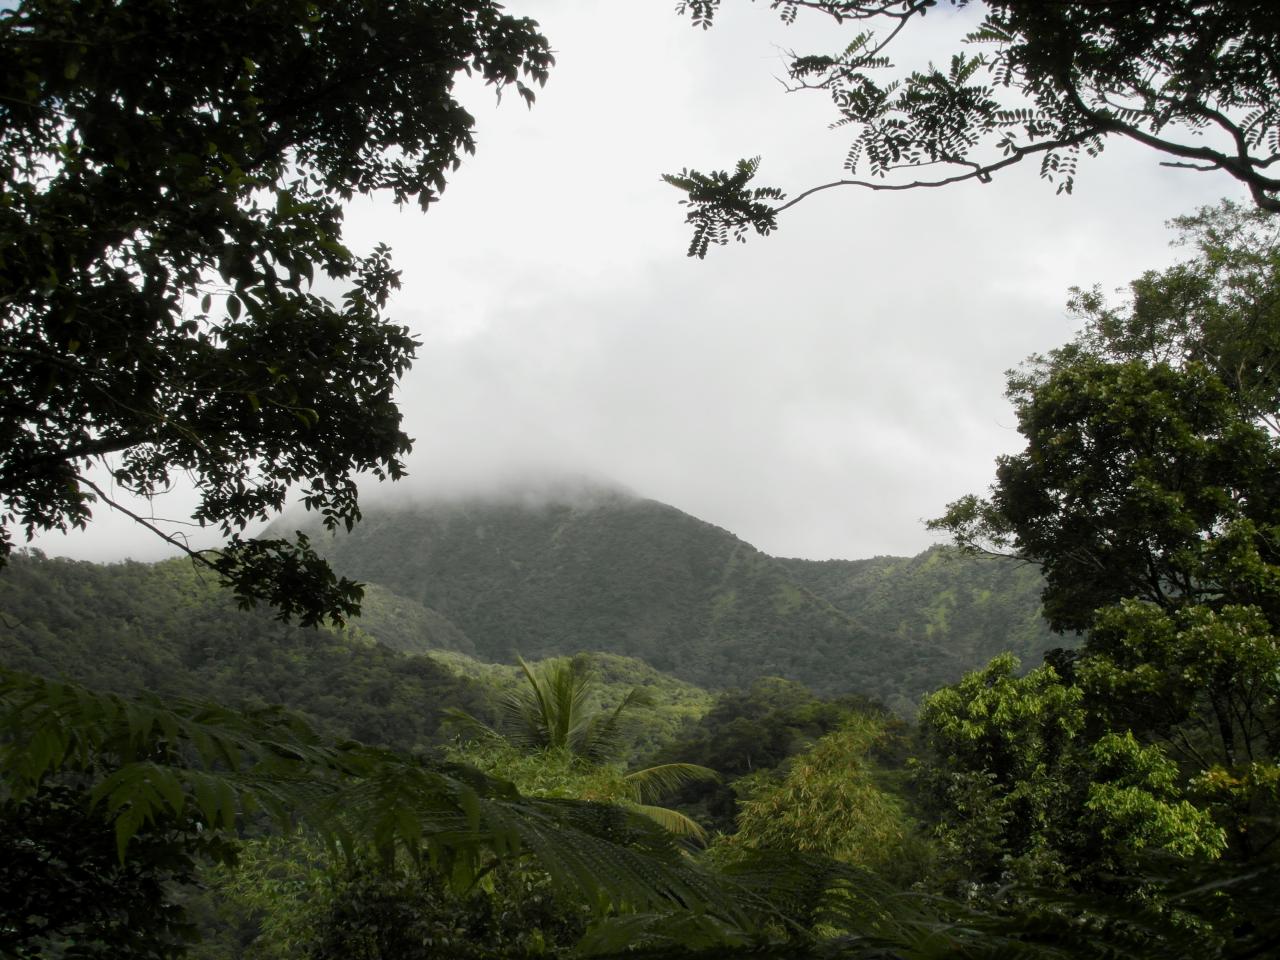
(170, 538)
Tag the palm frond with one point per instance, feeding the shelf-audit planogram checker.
(652, 783)
(604, 734)
(674, 822)
(469, 725)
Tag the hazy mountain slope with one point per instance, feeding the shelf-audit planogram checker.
(616, 573)
(603, 572)
(166, 628)
(951, 611)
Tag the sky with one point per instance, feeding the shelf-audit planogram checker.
(819, 392)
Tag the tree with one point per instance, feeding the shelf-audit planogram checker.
(1020, 792)
(1150, 464)
(1220, 308)
(1204, 684)
(165, 224)
(1147, 494)
(550, 718)
(1195, 81)
(551, 711)
(829, 804)
(1137, 480)
(753, 730)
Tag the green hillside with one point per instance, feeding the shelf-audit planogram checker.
(387, 679)
(948, 612)
(483, 581)
(167, 629)
(615, 573)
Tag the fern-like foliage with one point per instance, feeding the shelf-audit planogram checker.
(137, 769)
(1193, 80)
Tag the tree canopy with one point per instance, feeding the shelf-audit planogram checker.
(1150, 465)
(1147, 494)
(1195, 81)
(165, 224)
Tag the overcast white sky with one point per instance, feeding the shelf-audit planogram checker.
(818, 392)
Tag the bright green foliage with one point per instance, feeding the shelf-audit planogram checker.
(829, 804)
(1019, 792)
(999, 762)
(1129, 806)
(1196, 81)
(549, 721)
(163, 218)
(1206, 684)
(751, 732)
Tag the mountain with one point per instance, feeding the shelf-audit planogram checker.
(608, 571)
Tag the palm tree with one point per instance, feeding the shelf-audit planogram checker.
(552, 712)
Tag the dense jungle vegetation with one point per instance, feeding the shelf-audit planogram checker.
(332, 774)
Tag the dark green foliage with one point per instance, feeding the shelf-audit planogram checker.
(1195, 81)
(380, 913)
(1137, 481)
(65, 892)
(168, 629)
(750, 731)
(638, 578)
(1221, 308)
(172, 176)
(1150, 465)
(1019, 793)
(139, 767)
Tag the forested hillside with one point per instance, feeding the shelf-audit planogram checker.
(167, 629)
(387, 679)
(943, 610)
(611, 572)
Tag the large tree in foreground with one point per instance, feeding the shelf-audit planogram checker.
(172, 174)
(1148, 493)
(1196, 81)
(1151, 468)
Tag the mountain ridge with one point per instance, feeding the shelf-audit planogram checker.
(619, 573)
